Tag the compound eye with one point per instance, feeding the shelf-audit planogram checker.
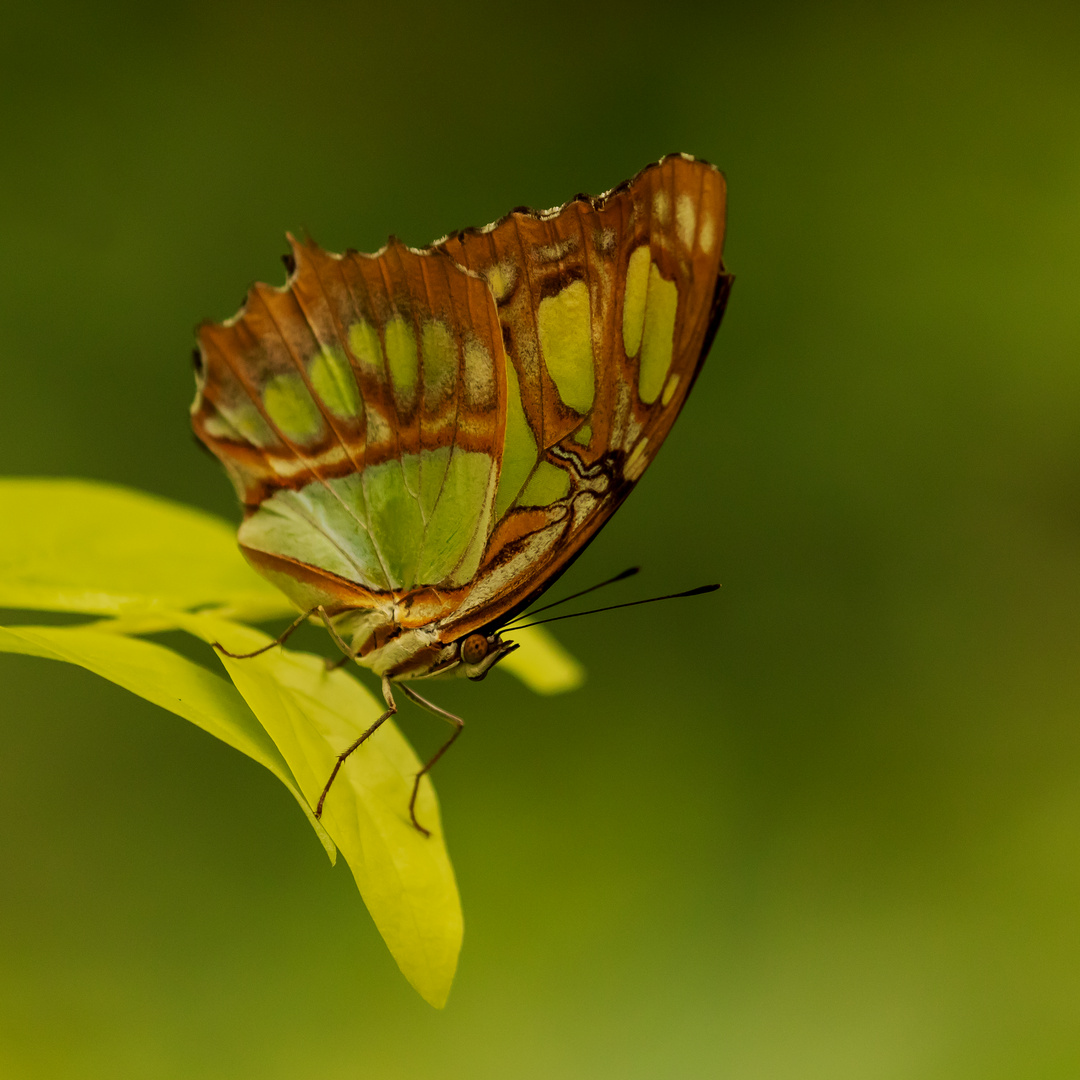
(474, 648)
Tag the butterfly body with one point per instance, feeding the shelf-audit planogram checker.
(424, 439)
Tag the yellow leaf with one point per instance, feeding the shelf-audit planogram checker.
(77, 545)
(312, 715)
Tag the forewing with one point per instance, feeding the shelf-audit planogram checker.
(608, 306)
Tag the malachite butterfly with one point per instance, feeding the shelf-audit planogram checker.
(423, 440)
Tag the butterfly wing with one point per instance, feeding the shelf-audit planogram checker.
(434, 435)
(608, 307)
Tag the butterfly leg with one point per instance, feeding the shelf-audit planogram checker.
(266, 648)
(391, 708)
(459, 726)
(331, 665)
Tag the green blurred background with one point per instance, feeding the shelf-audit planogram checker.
(824, 823)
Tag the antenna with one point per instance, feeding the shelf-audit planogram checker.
(573, 596)
(612, 607)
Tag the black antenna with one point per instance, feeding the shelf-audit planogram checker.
(633, 603)
(547, 607)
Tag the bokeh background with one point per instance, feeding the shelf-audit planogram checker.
(824, 823)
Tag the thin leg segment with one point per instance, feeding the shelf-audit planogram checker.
(344, 755)
(337, 639)
(459, 726)
(266, 648)
(333, 665)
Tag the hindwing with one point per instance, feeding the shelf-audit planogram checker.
(359, 411)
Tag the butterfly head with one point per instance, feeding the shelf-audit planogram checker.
(477, 654)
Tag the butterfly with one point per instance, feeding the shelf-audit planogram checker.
(423, 440)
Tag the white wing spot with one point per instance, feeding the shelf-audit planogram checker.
(661, 206)
(479, 374)
(619, 415)
(584, 505)
(501, 279)
(685, 220)
(707, 237)
(554, 252)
